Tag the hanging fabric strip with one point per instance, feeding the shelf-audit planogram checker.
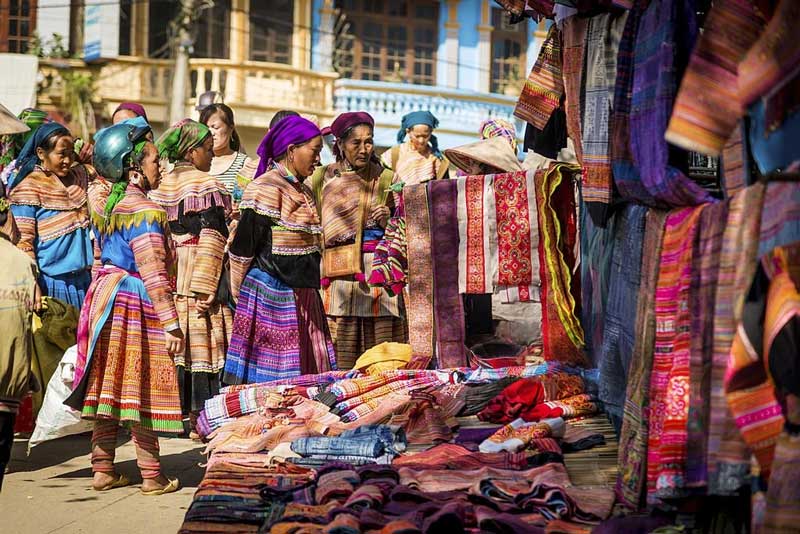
(544, 87)
(477, 235)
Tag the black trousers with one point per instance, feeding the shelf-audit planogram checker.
(6, 441)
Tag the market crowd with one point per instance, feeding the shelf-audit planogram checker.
(193, 265)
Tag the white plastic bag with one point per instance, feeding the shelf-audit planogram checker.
(56, 420)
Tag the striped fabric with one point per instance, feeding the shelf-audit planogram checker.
(782, 512)
(266, 344)
(389, 387)
(412, 167)
(574, 39)
(735, 162)
(477, 228)
(544, 87)
(705, 273)
(707, 106)
(602, 42)
(780, 218)
(226, 168)
(666, 34)
(190, 188)
(728, 459)
(420, 276)
(207, 335)
(561, 330)
(634, 437)
(669, 382)
(353, 336)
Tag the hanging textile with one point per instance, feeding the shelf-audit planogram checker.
(449, 310)
(669, 381)
(562, 334)
(634, 437)
(666, 35)
(574, 39)
(477, 235)
(728, 459)
(419, 304)
(780, 218)
(707, 107)
(616, 352)
(517, 234)
(735, 162)
(544, 87)
(705, 272)
(603, 36)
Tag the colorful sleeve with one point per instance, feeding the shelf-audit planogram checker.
(150, 253)
(25, 217)
(249, 234)
(210, 252)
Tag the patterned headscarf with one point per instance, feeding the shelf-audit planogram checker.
(344, 123)
(420, 117)
(290, 130)
(12, 144)
(180, 138)
(27, 159)
(499, 128)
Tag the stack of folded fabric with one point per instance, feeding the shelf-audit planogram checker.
(523, 398)
(368, 444)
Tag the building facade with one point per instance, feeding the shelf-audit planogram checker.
(461, 59)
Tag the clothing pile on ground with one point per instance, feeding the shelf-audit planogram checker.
(386, 450)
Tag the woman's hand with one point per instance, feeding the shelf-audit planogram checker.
(380, 215)
(37, 298)
(174, 340)
(203, 302)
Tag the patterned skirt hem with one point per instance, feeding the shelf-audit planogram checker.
(105, 411)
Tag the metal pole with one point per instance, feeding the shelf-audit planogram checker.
(180, 76)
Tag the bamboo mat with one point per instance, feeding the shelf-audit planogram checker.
(593, 467)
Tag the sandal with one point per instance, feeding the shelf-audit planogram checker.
(173, 486)
(120, 482)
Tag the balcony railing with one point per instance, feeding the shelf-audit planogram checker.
(460, 112)
(260, 88)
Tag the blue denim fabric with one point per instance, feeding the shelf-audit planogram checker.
(368, 441)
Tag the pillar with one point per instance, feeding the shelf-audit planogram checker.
(240, 50)
(451, 28)
(485, 47)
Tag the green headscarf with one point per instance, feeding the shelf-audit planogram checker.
(12, 144)
(180, 138)
(118, 189)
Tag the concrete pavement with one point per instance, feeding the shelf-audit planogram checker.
(50, 490)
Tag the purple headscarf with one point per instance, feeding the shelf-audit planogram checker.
(345, 121)
(132, 106)
(291, 130)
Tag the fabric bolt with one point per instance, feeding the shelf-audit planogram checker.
(420, 276)
(424, 421)
(517, 233)
(728, 459)
(619, 337)
(521, 399)
(603, 34)
(123, 371)
(573, 38)
(780, 217)
(266, 343)
(517, 435)
(477, 234)
(666, 35)
(561, 331)
(452, 456)
(634, 435)
(670, 378)
(390, 262)
(735, 161)
(705, 265)
(707, 106)
(449, 311)
(544, 87)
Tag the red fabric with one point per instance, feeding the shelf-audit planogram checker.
(24, 421)
(512, 401)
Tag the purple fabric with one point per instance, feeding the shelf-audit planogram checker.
(345, 121)
(475, 435)
(291, 130)
(132, 106)
(449, 311)
(667, 33)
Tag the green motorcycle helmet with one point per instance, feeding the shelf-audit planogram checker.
(113, 147)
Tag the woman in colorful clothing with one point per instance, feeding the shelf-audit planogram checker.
(129, 326)
(128, 110)
(354, 200)
(419, 159)
(230, 166)
(11, 145)
(197, 207)
(280, 329)
(48, 199)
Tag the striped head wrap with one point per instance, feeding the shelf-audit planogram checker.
(180, 138)
(499, 128)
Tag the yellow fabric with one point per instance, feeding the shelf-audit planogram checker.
(387, 356)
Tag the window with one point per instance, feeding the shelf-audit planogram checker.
(17, 24)
(271, 24)
(160, 15)
(387, 40)
(125, 14)
(509, 47)
(213, 37)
